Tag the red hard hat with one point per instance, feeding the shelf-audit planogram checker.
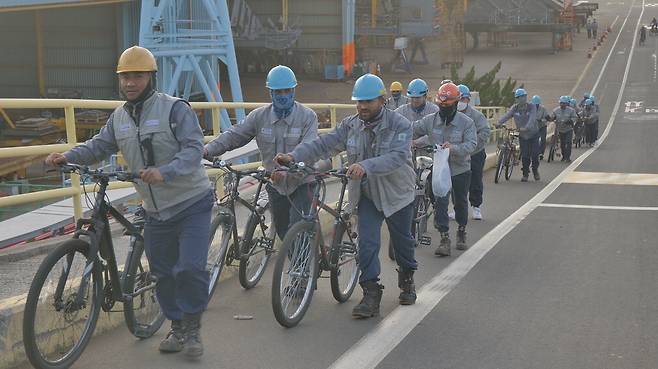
(448, 94)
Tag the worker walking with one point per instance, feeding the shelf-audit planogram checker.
(396, 99)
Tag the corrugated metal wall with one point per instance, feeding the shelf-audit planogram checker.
(18, 58)
(80, 50)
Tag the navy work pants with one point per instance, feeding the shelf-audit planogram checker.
(529, 154)
(477, 187)
(460, 187)
(283, 213)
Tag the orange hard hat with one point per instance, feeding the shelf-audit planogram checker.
(448, 94)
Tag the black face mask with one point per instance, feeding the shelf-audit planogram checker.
(447, 113)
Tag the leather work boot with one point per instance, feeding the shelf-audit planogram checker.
(461, 238)
(173, 342)
(444, 246)
(535, 173)
(369, 305)
(192, 346)
(407, 287)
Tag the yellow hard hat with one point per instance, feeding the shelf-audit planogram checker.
(136, 59)
(396, 86)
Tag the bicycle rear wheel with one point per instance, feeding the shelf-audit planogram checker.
(142, 313)
(295, 273)
(345, 260)
(56, 326)
(221, 234)
(255, 252)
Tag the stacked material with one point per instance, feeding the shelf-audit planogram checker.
(31, 127)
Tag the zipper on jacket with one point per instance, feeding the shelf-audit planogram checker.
(136, 117)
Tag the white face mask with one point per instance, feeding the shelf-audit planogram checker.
(461, 106)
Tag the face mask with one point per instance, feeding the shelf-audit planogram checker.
(447, 112)
(283, 103)
(396, 95)
(461, 106)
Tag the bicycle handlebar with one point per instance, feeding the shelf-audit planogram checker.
(99, 173)
(222, 164)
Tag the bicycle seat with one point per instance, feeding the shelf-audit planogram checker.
(424, 162)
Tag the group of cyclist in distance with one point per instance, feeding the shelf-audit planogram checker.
(161, 140)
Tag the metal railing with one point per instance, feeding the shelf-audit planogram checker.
(69, 107)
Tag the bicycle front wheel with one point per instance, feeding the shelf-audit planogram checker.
(509, 164)
(502, 154)
(57, 322)
(221, 234)
(294, 273)
(256, 250)
(142, 312)
(345, 263)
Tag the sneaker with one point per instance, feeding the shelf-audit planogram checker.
(451, 214)
(477, 213)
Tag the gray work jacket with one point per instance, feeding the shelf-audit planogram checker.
(460, 133)
(389, 171)
(481, 126)
(410, 114)
(273, 135)
(525, 119)
(564, 119)
(393, 104)
(542, 116)
(176, 141)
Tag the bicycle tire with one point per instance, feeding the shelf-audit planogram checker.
(304, 256)
(136, 278)
(34, 354)
(422, 213)
(343, 293)
(509, 163)
(248, 246)
(499, 165)
(217, 255)
(551, 152)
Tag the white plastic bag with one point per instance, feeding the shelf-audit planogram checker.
(441, 178)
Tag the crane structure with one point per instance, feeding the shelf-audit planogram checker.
(189, 40)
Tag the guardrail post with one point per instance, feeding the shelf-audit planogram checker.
(215, 122)
(72, 140)
(332, 110)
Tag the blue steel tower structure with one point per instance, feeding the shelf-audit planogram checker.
(189, 40)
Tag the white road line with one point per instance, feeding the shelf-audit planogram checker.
(372, 348)
(598, 207)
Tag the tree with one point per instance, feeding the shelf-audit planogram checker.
(492, 92)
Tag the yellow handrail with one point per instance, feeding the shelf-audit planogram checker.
(69, 106)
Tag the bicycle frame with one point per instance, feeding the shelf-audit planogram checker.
(230, 199)
(101, 249)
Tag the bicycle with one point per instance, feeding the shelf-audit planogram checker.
(85, 279)
(508, 155)
(252, 252)
(423, 208)
(304, 255)
(579, 132)
(554, 147)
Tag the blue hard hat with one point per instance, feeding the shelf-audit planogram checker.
(417, 88)
(368, 87)
(573, 102)
(589, 102)
(586, 95)
(281, 78)
(465, 91)
(591, 97)
(536, 100)
(564, 99)
(520, 92)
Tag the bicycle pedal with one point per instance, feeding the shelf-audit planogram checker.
(425, 240)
